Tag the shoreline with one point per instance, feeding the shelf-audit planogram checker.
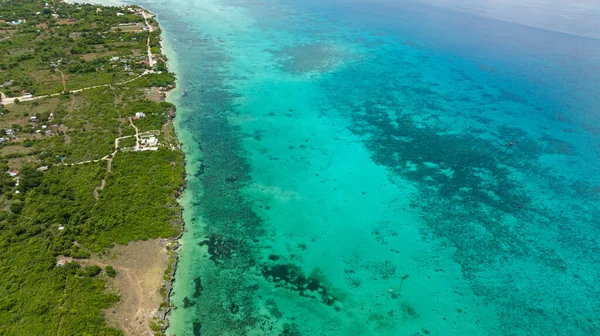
(174, 243)
(171, 95)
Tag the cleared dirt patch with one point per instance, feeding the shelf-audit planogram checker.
(93, 56)
(154, 94)
(38, 106)
(67, 21)
(18, 163)
(16, 149)
(140, 266)
(134, 28)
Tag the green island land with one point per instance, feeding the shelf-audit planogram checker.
(89, 163)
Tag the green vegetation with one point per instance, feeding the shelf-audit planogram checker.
(141, 181)
(71, 197)
(110, 271)
(157, 114)
(92, 271)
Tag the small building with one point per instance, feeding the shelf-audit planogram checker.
(16, 22)
(27, 95)
(44, 126)
(10, 132)
(62, 260)
(139, 115)
(33, 119)
(43, 168)
(13, 173)
(120, 14)
(115, 59)
(7, 84)
(150, 142)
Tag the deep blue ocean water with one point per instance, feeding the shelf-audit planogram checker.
(386, 167)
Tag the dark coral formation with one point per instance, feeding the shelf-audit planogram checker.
(198, 287)
(196, 328)
(219, 248)
(467, 191)
(292, 277)
(290, 330)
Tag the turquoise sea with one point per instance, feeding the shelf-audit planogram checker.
(387, 167)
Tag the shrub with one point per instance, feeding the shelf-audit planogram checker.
(93, 270)
(16, 207)
(110, 271)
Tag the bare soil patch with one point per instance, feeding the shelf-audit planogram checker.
(140, 266)
(67, 21)
(16, 149)
(153, 94)
(135, 28)
(93, 56)
(18, 163)
(39, 106)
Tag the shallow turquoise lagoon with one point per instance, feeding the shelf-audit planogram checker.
(351, 173)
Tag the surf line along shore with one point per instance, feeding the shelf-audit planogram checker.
(155, 259)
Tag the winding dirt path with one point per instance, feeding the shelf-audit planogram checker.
(151, 61)
(63, 80)
(137, 134)
(6, 100)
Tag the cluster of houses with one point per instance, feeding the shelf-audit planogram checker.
(43, 128)
(126, 66)
(53, 65)
(11, 132)
(14, 173)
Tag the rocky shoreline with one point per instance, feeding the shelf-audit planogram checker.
(173, 245)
